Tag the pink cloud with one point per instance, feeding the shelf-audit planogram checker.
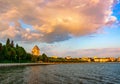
(55, 20)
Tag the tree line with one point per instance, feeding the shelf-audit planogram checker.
(11, 53)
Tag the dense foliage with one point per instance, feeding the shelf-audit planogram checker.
(11, 53)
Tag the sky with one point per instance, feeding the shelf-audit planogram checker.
(75, 28)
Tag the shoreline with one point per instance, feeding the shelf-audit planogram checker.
(23, 64)
(37, 64)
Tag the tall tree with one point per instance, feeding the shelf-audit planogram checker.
(0, 46)
(21, 53)
(4, 52)
(1, 56)
(17, 46)
(12, 43)
(44, 57)
(8, 42)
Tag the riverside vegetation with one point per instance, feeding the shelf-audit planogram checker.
(9, 53)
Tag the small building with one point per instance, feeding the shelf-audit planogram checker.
(118, 59)
(112, 59)
(36, 51)
(101, 60)
(55, 57)
(87, 59)
(68, 57)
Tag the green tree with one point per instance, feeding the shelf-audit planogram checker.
(17, 46)
(21, 53)
(5, 53)
(8, 42)
(12, 43)
(13, 54)
(28, 56)
(44, 57)
(1, 56)
(0, 46)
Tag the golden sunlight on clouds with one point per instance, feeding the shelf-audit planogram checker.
(95, 1)
(52, 19)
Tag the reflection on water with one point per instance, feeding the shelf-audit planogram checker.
(84, 73)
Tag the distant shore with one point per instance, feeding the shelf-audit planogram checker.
(23, 64)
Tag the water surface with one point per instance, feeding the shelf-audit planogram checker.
(82, 73)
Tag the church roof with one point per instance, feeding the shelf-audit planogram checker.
(36, 47)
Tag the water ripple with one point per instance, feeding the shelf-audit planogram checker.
(84, 73)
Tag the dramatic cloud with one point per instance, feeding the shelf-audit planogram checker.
(53, 20)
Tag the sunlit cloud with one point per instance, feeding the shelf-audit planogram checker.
(54, 20)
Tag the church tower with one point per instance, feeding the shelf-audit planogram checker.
(36, 50)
